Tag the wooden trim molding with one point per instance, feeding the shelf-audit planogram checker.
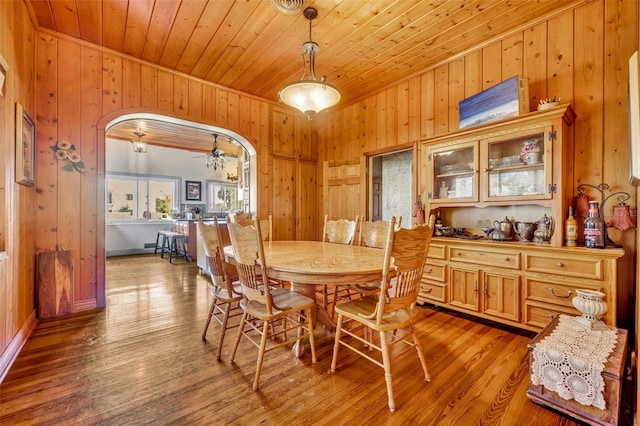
(16, 344)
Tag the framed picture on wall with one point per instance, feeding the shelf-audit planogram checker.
(193, 191)
(25, 147)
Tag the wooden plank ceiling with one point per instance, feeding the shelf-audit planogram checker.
(250, 46)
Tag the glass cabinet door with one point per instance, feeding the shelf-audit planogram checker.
(454, 173)
(517, 167)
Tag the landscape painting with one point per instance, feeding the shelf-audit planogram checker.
(506, 99)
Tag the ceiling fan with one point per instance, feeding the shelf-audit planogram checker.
(216, 157)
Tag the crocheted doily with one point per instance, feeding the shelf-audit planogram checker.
(570, 361)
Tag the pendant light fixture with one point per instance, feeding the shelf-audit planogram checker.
(309, 95)
(139, 146)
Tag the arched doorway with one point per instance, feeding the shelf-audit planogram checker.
(194, 137)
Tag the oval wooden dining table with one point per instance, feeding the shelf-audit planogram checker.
(308, 263)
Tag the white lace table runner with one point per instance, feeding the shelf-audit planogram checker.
(570, 361)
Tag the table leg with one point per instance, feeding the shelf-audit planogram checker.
(319, 314)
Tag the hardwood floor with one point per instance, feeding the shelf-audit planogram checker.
(141, 361)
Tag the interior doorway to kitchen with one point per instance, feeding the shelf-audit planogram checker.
(391, 186)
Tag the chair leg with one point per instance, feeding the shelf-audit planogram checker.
(155, 251)
(223, 329)
(206, 326)
(423, 360)
(173, 248)
(312, 338)
(165, 246)
(386, 361)
(263, 345)
(238, 336)
(336, 344)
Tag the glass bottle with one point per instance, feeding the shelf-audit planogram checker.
(571, 230)
(436, 231)
(594, 228)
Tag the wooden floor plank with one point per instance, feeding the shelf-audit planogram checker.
(141, 361)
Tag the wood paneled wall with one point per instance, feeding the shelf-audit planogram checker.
(79, 90)
(17, 223)
(580, 55)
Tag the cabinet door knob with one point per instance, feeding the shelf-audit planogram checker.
(559, 264)
(485, 170)
(552, 291)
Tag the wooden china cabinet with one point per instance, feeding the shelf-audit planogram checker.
(519, 283)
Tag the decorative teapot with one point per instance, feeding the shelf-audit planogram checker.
(545, 230)
(524, 230)
(505, 227)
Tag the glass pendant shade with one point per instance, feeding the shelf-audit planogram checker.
(309, 95)
(139, 146)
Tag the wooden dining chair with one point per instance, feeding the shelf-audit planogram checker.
(339, 231)
(270, 313)
(390, 312)
(373, 234)
(226, 291)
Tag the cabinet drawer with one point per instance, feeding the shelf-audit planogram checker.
(584, 267)
(551, 291)
(433, 291)
(436, 251)
(502, 259)
(540, 314)
(434, 271)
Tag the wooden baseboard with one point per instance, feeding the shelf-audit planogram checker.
(11, 352)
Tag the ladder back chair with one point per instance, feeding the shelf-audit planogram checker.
(391, 312)
(266, 229)
(339, 231)
(226, 291)
(264, 308)
(374, 234)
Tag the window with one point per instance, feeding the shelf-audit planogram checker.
(140, 197)
(222, 197)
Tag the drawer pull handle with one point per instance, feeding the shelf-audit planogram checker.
(429, 290)
(569, 293)
(506, 259)
(481, 253)
(428, 271)
(559, 264)
(551, 316)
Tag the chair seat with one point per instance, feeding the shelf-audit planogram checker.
(359, 309)
(223, 294)
(286, 299)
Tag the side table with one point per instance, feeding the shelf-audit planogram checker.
(613, 375)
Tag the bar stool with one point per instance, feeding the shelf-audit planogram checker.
(172, 243)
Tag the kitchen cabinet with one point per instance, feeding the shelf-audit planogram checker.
(524, 285)
(521, 161)
(477, 288)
